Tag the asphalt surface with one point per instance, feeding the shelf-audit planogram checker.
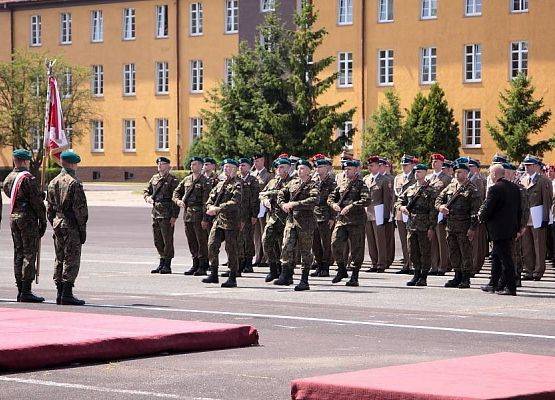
(331, 328)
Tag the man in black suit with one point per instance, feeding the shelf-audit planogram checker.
(502, 214)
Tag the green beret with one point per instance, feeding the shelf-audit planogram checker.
(164, 160)
(22, 154)
(304, 162)
(199, 159)
(322, 161)
(245, 160)
(420, 167)
(230, 161)
(350, 163)
(281, 161)
(209, 160)
(70, 157)
(509, 166)
(461, 165)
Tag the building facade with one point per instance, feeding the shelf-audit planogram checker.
(153, 62)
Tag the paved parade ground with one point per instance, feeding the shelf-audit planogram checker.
(326, 330)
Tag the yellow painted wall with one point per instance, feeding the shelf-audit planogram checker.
(5, 33)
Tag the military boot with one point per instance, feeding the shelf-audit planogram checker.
(67, 296)
(167, 267)
(247, 266)
(341, 274)
(317, 269)
(18, 284)
(273, 272)
(231, 281)
(194, 268)
(423, 280)
(284, 278)
(59, 290)
(324, 271)
(202, 268)
(354, 278)
(213, 277)
(158, 268)
(453, 283)
(416, 277)
(465, 281)
(303, 284)
(27, 295)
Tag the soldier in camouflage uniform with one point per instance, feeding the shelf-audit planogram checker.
(298, 199)
(417, 203)
(159, 193)
(349, 200)
(325, 219)
(209, 170)
(68, 214)
(192, 194)
(27, 223)
(224, 205)
(459, 203)
(275, 217)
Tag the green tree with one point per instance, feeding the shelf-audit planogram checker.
(521, 116)
(412, 128)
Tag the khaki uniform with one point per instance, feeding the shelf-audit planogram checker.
(272, 238)
(380, 193)
(480, 243)
(401, 183)
(440, 252)
(321, 243)
(250, 206)
(68, 214)
(263, 177)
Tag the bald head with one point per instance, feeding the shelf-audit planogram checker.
(496, 172)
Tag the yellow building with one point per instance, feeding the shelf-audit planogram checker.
(157, 59)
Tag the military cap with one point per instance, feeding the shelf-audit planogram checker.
(22, 154)
(163, 160)
(192, 159)
(437, 156)
(230, 161)
(499, 159)
(531, 160)
(463, 160)
(294, 159)
(322, 161)
(257, 155)
(509, 166)
(245, 160)
(460, 165)
(473, 162)
(281, 161)
(420, 167)
(350, 163)
(70, 157)
(304, 162)
(447, 164)
(383, 161)
(407, 159)
(373, 159)
(209, 160)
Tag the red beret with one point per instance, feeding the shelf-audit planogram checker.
(373, 159)
(437, 156)
(318, 156)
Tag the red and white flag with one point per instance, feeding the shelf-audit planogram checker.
(55, 140)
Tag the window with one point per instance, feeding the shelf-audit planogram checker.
(343, 131)
(162, 78)
(228, 74)
(36, 31)
(428, 65)
(519, 58)
(429, 9)
(196, 128)
(473, 63)
(345, 69)
(67, 84)
(385, 67)
(97, 80)
(345, 12)
(196, 19)
(97, 136)
(129, 80)
(162, 134)
(472, 128)
(267, 5)
(232, 16)
(518, 6)
(162, 21)
(65, 28)
(129, 135)
(197, 76)
(37, 139)
(385, 12)
(473, 8)
(128, 24)
(97, 26)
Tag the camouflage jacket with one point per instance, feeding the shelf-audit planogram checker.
(29, 202)
(326, 187)
(304, 197)
(227, 196)
(213, 179)
(67, 204)
(354, 194)
(161, 189)
(274, 214)
(422, 213)
(250, 204)
(194, 193)
(262, 176)
(463, 211)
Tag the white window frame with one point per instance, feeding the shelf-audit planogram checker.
(129, 25)
(385, 8)
(267, 5)
(162, 78)
(197, 125)
(129, 136)
(522, 58)
(65, 28)
(472, 123)
(522, 6)
(344, 12)
(345, 69)
(228, 71)
(129, 79)
(196, 19)
(427, 9)
(162, 21)
(386, 60)
(97, 81)
(162, 134)
(472, 8)
(197, 76)
(97, 26)
(473, 62)
(231, 16)
(97, 139)
(429, 60)
(35, 39)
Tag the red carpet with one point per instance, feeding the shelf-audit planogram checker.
(493, 376)
(31, 339)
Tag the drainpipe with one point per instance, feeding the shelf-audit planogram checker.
(178, 80)
(363, 66)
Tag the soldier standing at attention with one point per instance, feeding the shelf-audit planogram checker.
(417, 202)
(480, 244)
(209, 170)
(27, 223)
(224, 205)
(159, 193)
(298, 199)
(459, 203)
(67, 212)
(385, 170)
(349, 200)
(263, 177)
(192, 194)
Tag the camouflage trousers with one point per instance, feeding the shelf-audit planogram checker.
(347, 237)
(197, 239)
(245, 242)
(272, 238)
(67, 245)
(163, 231)
(25, 246)
(460, 251)
(321, 243)
(420, 250)
(296, 240)
(215, 239)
